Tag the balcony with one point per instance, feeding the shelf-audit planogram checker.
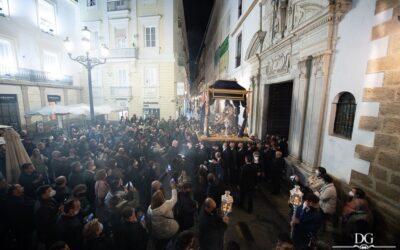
(121, 92)
(30, 75)
(123, 53)
(117, 5)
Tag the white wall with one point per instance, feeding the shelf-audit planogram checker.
(349, 74)
(22, 28)
(248, 28)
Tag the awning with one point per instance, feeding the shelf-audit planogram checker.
(75, 109)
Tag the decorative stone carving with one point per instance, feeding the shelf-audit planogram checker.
(299, 11)
(278, 64)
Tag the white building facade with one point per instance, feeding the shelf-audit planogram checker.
(34, 69)
(147, 70)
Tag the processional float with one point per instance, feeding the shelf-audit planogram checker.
(226, 124)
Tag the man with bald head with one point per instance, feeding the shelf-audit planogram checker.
(211, 226)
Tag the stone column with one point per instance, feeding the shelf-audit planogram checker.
(65, 94)
(43, 101)
(25, 102)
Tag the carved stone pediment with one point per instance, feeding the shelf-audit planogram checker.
(299, 11)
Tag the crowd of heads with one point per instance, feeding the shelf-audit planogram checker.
(111, 172)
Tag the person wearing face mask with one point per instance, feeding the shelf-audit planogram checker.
(315, 182)
(356, 214)
(45, 215)
(327, 199)
(69, 227)
(211, 227)
(306, 223)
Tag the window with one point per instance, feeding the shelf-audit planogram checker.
(150, 36)
(122, 77)
(4, 8)
(91, 3)
(8, 64)
(238, 50)
(94, 40)
(120, 38)
(151, 84)
(47, 17)
(51, 65)
(239, 8)
(344, 117)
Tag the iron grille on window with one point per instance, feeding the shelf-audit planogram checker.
(344, 119)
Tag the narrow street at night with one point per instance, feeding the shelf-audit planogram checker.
(199, 124)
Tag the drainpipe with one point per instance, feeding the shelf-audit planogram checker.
(305, 106)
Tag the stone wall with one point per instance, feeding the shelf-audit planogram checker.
(382, 183)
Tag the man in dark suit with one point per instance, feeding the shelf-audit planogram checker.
(248, 180)
(276, 172)
(226, 162)
(307, 222)
(211, 227)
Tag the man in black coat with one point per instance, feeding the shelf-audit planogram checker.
(307, 222)
(45, 215)
(248, 180)
(19, 216)
(226, 162)
(211, 227)
(69, 227)
(131, 234)
(234, 167)
(276, 172)
(30, 180)
(185, 208)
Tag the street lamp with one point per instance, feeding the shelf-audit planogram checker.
(88, 62)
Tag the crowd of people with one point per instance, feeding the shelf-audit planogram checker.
(148, 182)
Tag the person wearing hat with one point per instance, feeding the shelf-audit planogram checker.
(45, 215)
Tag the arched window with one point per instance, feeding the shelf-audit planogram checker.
(345, 112)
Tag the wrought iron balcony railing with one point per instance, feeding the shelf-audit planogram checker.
(123, 53)
(116, 5)
(121, 91)
(22, 74)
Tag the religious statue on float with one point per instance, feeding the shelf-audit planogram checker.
(227, 118)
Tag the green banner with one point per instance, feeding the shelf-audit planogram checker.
(224, 47)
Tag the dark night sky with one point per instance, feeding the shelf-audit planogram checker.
(197, 13)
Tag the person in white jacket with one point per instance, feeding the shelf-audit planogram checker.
(327, 198)
(161, 217)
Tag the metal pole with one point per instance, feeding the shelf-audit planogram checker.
(89, 69)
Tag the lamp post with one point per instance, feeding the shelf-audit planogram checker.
(296, 197)
(88, 62)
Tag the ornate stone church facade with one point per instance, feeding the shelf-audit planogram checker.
(324, 75)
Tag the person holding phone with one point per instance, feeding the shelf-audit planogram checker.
(161, 217)
(132, 233)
